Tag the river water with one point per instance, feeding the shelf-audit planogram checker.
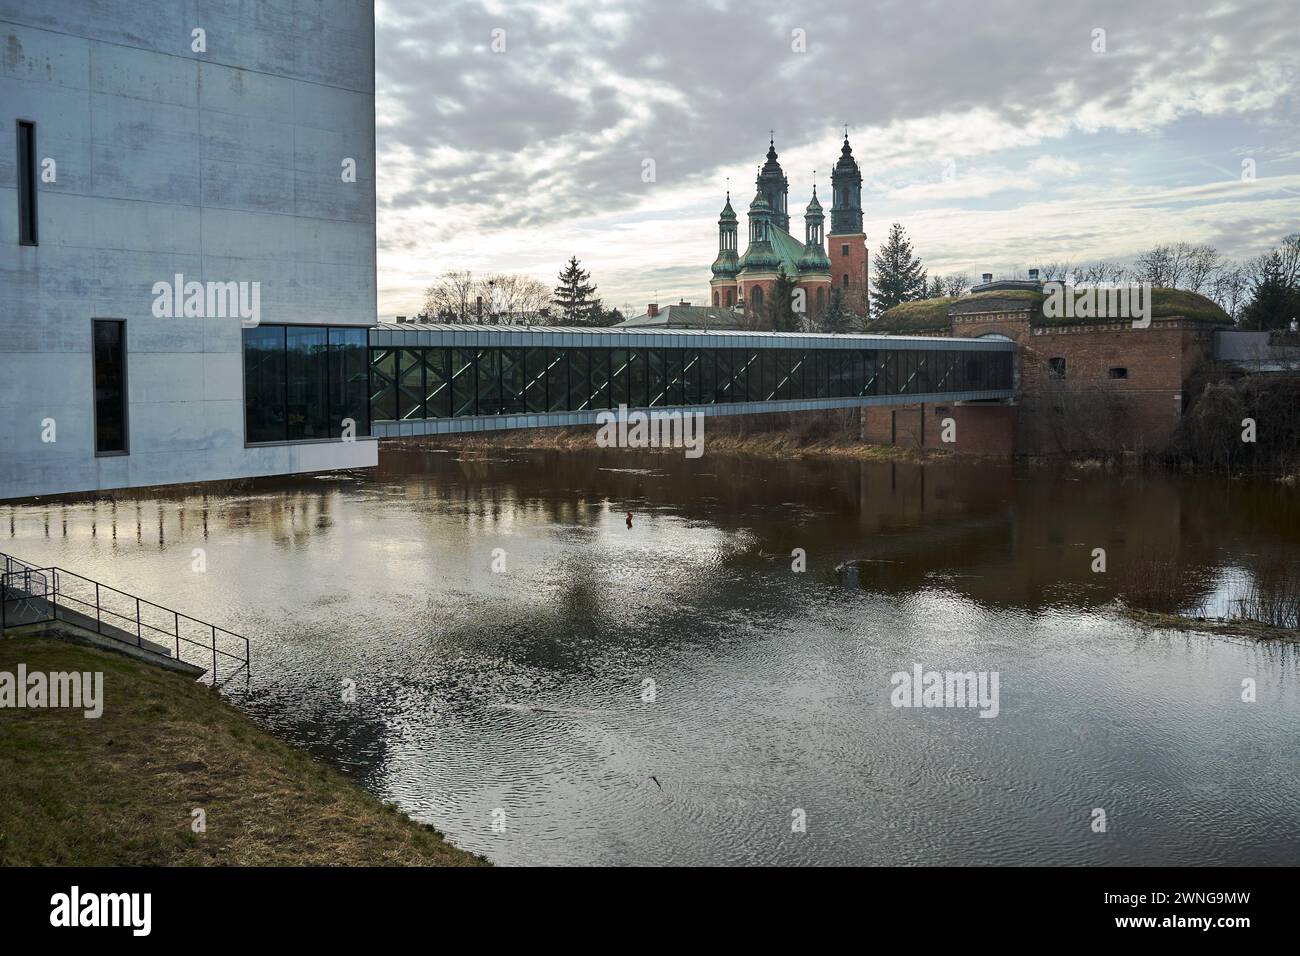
(486, 641)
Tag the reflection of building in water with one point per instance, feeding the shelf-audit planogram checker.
(292, 517)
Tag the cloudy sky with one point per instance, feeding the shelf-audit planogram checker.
(999, 133)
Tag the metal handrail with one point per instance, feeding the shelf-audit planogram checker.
(15, 569)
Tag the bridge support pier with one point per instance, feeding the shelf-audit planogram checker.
(972, 428)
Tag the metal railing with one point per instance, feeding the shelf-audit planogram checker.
(32, 595)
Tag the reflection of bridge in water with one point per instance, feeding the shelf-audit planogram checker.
(435, 379)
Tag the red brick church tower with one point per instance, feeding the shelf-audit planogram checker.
(847, 241)
(746, 281)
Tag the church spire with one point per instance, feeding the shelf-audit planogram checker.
(813, 260)
(725, 265)
(846, 192)
(774, 187)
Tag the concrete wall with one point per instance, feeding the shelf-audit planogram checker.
(221, 165)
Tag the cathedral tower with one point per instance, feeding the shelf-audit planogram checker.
(814, 267)
(727, 264)
(847, 241)
(775, 188)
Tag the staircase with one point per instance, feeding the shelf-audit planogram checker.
(31, 595)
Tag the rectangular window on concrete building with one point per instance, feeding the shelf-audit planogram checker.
(27, 232)
(110, 387)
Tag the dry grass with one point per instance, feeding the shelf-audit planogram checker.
(786, 436)
(1236, 627)
(1274, 596)
(119, 790)
(1152, 582)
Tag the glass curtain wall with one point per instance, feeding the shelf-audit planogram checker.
(438, 382)
(312, 383)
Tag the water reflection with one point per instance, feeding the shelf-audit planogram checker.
(522, 689)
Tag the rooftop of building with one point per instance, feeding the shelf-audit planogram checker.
(684, 316)
(788, 251)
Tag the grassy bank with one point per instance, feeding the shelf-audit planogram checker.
(769, 445)
(821, 434)
(120, 789)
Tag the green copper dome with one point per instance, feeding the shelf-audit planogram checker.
(760, 257)
(814, 259)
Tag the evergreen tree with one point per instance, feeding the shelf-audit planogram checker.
(835, 319)
(935, 289)
(780, 305)
(1276, 299)
(898, 274)
(574, 298)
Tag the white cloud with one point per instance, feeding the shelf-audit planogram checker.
(512, 162)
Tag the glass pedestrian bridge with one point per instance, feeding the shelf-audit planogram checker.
(432, 379)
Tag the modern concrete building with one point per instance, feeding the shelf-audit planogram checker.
(187, 240)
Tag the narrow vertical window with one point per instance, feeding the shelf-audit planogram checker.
(110, 387)
(26, 183)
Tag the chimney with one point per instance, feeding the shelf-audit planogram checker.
(652, 309)
(1033, 275)
(988, 277)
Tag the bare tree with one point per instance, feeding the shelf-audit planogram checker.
(1203, 265)
(512, 299)
(1229, 289)
(1177, 266)
(1054, 271)
(451, 297)
(954, 285)
(1101, 273)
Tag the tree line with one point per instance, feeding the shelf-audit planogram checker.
(459, 297)
(1259, 293)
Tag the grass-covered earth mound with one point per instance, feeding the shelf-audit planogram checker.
(931, 315)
